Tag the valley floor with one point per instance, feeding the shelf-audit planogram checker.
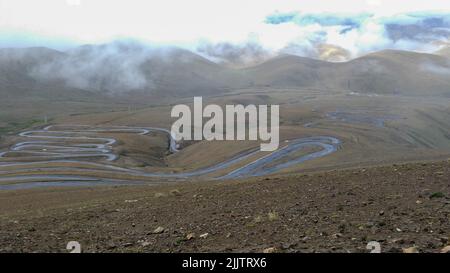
(399, 206)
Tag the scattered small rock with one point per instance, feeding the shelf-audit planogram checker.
(446, 249)
(175, 192)
(270, 250)
(287, 245)
(258, 219)
(204, 235)
(273, 216)
(160, 194)
(412, 249)
(336, 235)
(190, 236)
(111, 245)
(144, 243)
(398, 241)
(158, 230)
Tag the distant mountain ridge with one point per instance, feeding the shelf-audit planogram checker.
(173, 72)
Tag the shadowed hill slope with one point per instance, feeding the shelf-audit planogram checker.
(119, 69)
(385, 72)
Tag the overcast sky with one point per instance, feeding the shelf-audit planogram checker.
(350, 26)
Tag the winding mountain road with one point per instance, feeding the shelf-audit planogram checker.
(59, 158)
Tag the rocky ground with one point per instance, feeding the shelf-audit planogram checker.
(406, 208)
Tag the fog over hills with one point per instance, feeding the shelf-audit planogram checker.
(18, 79)
(121, 67)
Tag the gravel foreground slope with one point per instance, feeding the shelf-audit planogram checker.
(406, 208)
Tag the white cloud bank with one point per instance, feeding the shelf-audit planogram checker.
(221, 29)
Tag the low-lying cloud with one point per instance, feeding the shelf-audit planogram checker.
(328, 36)
(113, 67)
(440, 69)
(359, 34)
(235, 55)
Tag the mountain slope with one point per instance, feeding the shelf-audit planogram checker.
(121, 68)
(17, 80)
(384, 72)
(399, 72)
(288, 71)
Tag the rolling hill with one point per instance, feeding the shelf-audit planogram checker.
(114, 69)
(108, 73)
(384, 72)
